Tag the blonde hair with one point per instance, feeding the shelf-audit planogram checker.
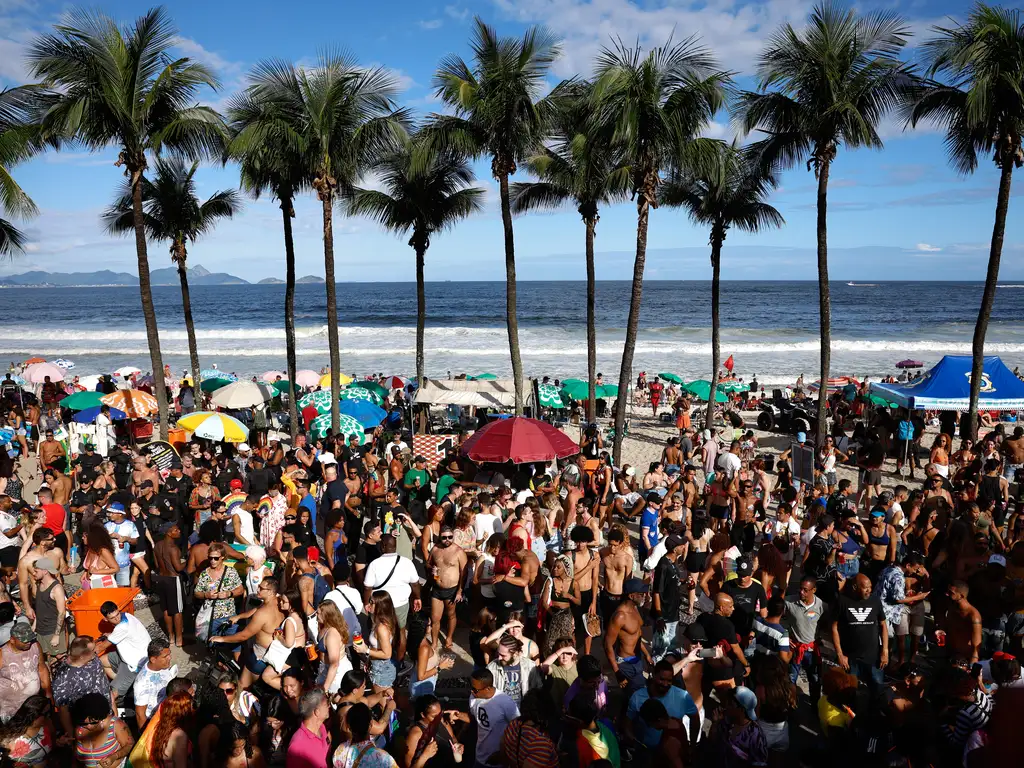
(330, 616)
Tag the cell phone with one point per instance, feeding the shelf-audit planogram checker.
(706, 653)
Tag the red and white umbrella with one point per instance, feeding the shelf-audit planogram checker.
(394, 382)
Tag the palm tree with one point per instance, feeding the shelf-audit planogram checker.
(495, 99)
(827, 85)
(172, 212)
(424, 193)
(654, 104)
(272, 161)
(16, 145)
(346, 117)
(576, 164)
(980, 104)
(121, 87)
(726, 190)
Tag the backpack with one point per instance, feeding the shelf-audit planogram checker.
(320, 587)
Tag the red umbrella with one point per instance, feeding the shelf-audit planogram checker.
(519, 440)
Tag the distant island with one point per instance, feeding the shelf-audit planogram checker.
(197, 275)
(310, 279)
(270, 281)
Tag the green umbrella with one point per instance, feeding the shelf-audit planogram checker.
(283, 386)
(734, 386)
(577, 390)
(212, 385)
(321, 400)
(881, 402)
(360, 393)
(346, 426)
(673, 377)
(567, 382)
(550, 397)
(371, 386)
(701, 389)
(482, 377)
(82, 400)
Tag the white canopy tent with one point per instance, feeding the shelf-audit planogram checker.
(497, 393)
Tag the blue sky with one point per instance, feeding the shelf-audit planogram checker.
(897, 213)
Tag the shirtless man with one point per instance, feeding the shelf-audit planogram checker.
(50, 450)
(623, 643)
(142, 472)
(616, 567)
(1012, 449)
(43, 545)
(258, 633)
(585, 573)
(60, 485)
(448, 567)
(962, 625)
(166, 582)
(686, 484)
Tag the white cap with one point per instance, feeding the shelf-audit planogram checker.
(630, 471)
(997, 560)
(242, 448)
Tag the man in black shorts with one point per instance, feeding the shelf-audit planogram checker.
(448, 568)
(167, 580)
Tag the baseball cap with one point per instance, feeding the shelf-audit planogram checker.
(654, 497)
(744, 567)
(678, 495)
(878, 513)
(242, 448)
(801, 437)
(236, 484)
(23, 632)
(45, 564)
(116, 507)
(419, 459)
(634, 586)
(166, 527)
(674, 541)
(747, 699)
(146, 484)
(997, 560)
(630, 471)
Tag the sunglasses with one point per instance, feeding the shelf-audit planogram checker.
(215, 558)
(447, 538)
(228, 690)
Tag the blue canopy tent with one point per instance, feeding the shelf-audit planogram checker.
(947, 387)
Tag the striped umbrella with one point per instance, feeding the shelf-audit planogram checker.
(216, 373)
(347, 426)
(136, 403)
(550, 397)
(359, 393)
(215, 426)
(395, 382)
(321, 400)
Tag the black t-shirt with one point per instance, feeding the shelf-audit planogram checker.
(122, 468)
(818, 550)
(367, 553)
(259, 480)
(748, 601)
(336, 490)
(666, 584)
(88, 462)
(82, 497)
(718, 629)
(858, 627)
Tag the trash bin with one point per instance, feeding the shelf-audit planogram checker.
(85, 608)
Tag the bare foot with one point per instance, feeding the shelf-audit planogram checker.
(448, 644)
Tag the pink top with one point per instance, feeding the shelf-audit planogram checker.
(308, 749)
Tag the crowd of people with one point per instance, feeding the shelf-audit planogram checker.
(355, 605)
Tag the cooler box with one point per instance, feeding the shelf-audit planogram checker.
(85, 608)
(141, 428)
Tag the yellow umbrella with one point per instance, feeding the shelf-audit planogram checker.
(343, 380)
(134, 402)
(215, 426)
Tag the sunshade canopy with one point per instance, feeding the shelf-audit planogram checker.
(499, 393)
(947, 387)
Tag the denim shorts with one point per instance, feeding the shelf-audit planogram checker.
(383, 673)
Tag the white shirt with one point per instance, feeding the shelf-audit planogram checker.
(132, 639)
(6, 523)
(245, 527)
(124, 528)
(398, 586)
(400, 445)
(656, 554)
(492, 717)
(150, 686)
(486, 525)
(729, 463)
(350, 603)
(487, 572)
(788, 529)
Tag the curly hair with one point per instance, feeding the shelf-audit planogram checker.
(176, 711)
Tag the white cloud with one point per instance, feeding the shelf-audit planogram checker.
(224, 68)
(926, 248)
(455, 12)
(430, 23)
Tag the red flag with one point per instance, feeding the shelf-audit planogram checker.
(729, 364)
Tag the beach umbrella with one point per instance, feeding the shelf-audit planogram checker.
(67, 365)
(89, 382)
(910, 364)
(567, 382)
(136, 403)
(482, 377)
(395, 382)
(833, 384)
(346, 426)
(343, 380)
(321, 400)
(271, 376)
(550, 396)
(307, 378)
(701, 389)
(212, 385)
(79, 401)
(88, 415)
(282, 387)
(242, 394)
(360, 393)
(673, 377)
(215, 426)
(34, 360)
(366, 413)
(216, 373)
(37, 373)
(578, 390)
(127, 370)
(519, 440)
(372, 386)
(6, 435)
(881, 402)
(734, 386)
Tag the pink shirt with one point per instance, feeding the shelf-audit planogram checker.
(308, 749)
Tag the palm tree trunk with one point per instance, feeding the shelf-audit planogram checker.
(332, 310)
(190, 328)
(632, 324)
(989, 294)
(824, 301)
(716, 353)
(421, 314)
(591, 325)
(510, 293)
(156, 359)
(289, 314)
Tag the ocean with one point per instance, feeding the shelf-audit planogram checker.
(770, 328)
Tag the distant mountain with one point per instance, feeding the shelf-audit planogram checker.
(197, 275)
(310, 279)
(270, 281)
